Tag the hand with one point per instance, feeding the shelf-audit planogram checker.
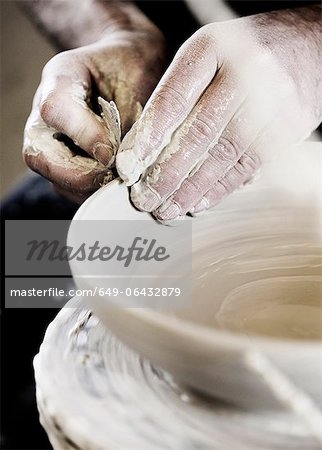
(123, 67)
(234, 91)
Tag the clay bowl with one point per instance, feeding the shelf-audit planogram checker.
(252, 335)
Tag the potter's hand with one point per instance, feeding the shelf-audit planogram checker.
(123, 65)
(233, 89)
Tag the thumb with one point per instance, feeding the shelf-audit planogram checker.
(63, 106)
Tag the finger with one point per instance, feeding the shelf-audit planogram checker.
(176, 94)
(73, 197)
(63, 106)
(240, 133)
(272, 137)
(233, 142)
(243, 170)
(189, 144)
(199, 139)
(55, 161)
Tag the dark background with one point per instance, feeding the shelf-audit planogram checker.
(22, 330)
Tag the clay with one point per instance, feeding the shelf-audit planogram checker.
(111, 117)
(256, 259)
(265, 234)
(90, 389)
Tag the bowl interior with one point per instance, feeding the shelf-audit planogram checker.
(257, 271)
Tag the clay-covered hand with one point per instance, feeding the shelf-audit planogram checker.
(123, 67)
(234, 91)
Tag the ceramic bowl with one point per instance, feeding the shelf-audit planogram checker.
(252, 336)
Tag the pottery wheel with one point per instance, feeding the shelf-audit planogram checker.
(94, 393)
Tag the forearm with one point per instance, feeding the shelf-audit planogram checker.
(74, 23)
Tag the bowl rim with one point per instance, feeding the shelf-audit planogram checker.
(193, 330)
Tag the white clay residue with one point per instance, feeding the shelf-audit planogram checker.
(131, 159)
(111, 117)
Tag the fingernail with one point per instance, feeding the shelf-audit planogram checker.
(200, 206)
(168, 211)
(144, 198)
(104, 154)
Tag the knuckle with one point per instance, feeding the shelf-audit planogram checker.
(171, 98)
(227, 150)
(223, 187)
(45, 109)
(205, 34)
(57, 60)
(49, 109)
(192, 187)
(202, 128)
(200, 44)
(250, 161)
(228, 183)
